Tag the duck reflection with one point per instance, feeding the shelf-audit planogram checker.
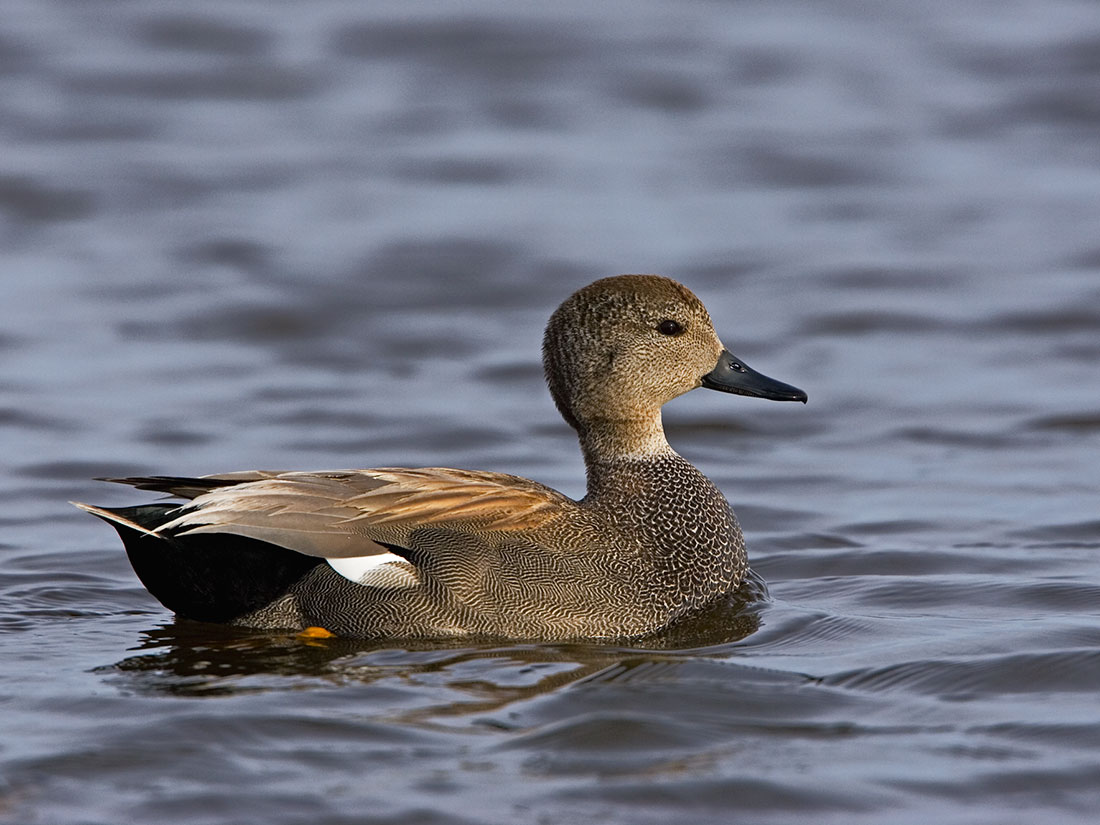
(197, 659)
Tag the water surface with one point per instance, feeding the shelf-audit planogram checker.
(238, 235)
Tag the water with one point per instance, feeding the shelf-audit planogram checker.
(238, 235)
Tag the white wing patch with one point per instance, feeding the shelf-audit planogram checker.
(379, 570)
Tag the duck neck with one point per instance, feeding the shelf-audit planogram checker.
(607, 444)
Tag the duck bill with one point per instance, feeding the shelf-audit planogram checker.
(733, 375)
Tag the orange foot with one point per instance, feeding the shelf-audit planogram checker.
(314, 632)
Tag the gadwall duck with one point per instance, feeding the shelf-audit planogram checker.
(435, 552)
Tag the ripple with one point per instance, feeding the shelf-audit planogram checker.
(814, 565)
(855, 323)
(521, 50)
(509, 374)
(774, 166)
(889, 527)
(701, 799)
(811, 630)
(1084, 422)
(194, 33)
(958, 438)
(166, 434)
(16, 56)
(20, 419)
(1067, 794)
(610, 735)
(953, 592)
(891, 278)
(762, 517)
(1068, 671)
(807, 542)
(27, 199)
(243, 81)
(1054, 734)
(424, 441)
(70, 470)
(1073, 534)
(460, 170)
(1067, 319)
(672, 93)
(237, 252)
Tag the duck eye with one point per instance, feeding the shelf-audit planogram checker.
(669, 327)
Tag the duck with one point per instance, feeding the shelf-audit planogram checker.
(439, 553)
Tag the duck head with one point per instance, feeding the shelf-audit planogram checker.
(618, 349)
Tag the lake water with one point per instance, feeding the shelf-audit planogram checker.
(263, 235)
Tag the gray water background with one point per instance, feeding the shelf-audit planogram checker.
(245, 234)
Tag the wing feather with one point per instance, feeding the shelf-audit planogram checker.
(347, 513)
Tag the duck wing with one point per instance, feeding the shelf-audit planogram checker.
(352, 513)
(190, 487)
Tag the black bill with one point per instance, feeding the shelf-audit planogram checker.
(732, 375)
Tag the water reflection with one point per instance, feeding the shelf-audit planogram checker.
(195, 659)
